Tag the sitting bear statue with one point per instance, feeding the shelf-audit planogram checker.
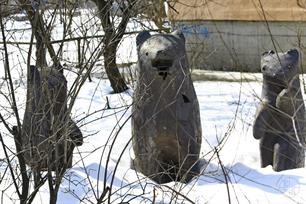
(166, 126)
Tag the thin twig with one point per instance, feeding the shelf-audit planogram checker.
(10, 167)
(225, 175)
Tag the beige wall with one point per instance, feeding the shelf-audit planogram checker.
(245, 10)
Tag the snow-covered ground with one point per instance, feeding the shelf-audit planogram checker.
(227, 113)
(227, 110)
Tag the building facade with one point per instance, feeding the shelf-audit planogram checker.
(231, 35)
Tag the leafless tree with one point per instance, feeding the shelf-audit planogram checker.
(113, 36)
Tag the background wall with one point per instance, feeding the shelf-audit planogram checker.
(238, 45)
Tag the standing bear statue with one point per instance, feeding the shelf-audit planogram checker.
(48, 133)
(166, 126)
(279, 123)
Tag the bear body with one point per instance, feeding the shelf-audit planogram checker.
(279, 123)
(166, 126)
(49, 135)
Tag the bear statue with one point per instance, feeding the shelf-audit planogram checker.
(48, 133)
(280, 118)
(166, 126)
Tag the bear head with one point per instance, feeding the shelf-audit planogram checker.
(280, 68)
(161, 54)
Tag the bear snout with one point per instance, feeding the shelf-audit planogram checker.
(162, 64)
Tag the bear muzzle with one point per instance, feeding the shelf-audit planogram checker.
(162, 66)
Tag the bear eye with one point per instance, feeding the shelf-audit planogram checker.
(147, 53)
(289, 66)
(264, 68)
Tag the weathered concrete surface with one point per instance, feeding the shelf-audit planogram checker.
(238, 45)
(166, 126)
(209, 75)
(280, 118)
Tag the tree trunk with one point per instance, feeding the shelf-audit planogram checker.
(41, 34)
(116, 80)
(111, 41)
(40, 45)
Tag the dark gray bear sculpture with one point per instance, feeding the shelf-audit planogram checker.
(48, 135)
(279, 123)
(166, 126)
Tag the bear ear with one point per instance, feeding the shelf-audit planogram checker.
(179, 33)
(293, 52)
(141, 37)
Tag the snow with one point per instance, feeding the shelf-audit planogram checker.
(227, 113)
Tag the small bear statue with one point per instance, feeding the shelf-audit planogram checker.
(280, 118)
(48, 133)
